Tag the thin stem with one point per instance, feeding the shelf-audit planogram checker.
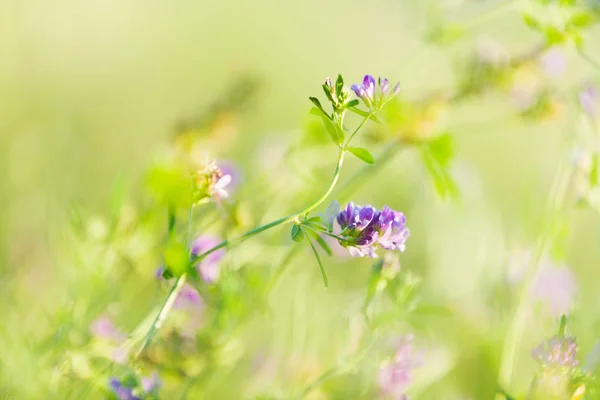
(557, 198)
(369, 115)
(336, 370)
(164, 311)
(283, 220)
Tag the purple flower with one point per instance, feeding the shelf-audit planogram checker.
(375, 95)
(228, 168)
(553, 62)
(395, 375)
(555, 287)
(588, 99)
(208, 267)
(557, 352)
(104, 328)
(188, 298)
(365, 229)
(151, 383)
(122, 392)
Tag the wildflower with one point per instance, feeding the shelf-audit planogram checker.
(208, 268)
(188, 298)
(555, 287)
(588, 99)
(557, 357)
(121, 391)
(365, 229)
(151, 383)
(103, 328)
(395, 375)
(375, 95)
(210, 183)
(557, 352)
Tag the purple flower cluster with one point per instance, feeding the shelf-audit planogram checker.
(395, 375)
(150, 385)
(365, 229)
(375, 94)
(557, 352)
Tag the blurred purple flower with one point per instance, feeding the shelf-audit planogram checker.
(553, 62)
(122, 392)
(208, 268)
(188, 298)
(374, 95)
(229, 168)
(557, 352)
(365, 229)
(151, 383)
(103, 328)
(395, 375)
(555, 287)
(588, 99)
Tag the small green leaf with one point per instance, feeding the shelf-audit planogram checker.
(532, 22)
(321, 242)
(315, 220)
(333, 131)
(321, 267)
(363, 154)
(352, 103)
(328, 93)
(553, 35)
(442, 149)
(364, 114)
(581, 19)
(563, 326)
(317, 104)
(339, 84)
(177, 258)
(297, 233)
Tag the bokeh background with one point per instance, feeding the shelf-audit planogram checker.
(92, 94)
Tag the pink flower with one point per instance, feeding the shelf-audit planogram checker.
(395, 375)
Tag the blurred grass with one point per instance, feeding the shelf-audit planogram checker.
(93, 90)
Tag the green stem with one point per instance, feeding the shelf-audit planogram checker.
(289, 218)
(369, 115)
(557, 198)
(164, 311)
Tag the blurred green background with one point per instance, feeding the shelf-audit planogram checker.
(93, 91)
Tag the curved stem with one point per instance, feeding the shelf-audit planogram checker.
(289, 218)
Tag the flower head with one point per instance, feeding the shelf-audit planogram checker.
(187, 298)
(210, 183)
(121, 391)
(373, 94)
(151, 383)
(553, 62)
(395, 375)
(365, 229)
(557, 352)
(208, 268)
(555, 288)
(103, 328)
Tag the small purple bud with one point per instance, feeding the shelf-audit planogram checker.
(396, 89)
(369, 86)
(384, 86)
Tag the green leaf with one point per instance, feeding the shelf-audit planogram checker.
(364, 114)
(321, 242)
(317, 104)
(177, 258)
(339, 84)
(436, 157)
(297, 233)
(442, 149)
(553, 35)
(581, 19)
(321, 267)
(563, 326)
(328, 93)
(352, 103)
(363, 154)
(333, 131)
(532, 22)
